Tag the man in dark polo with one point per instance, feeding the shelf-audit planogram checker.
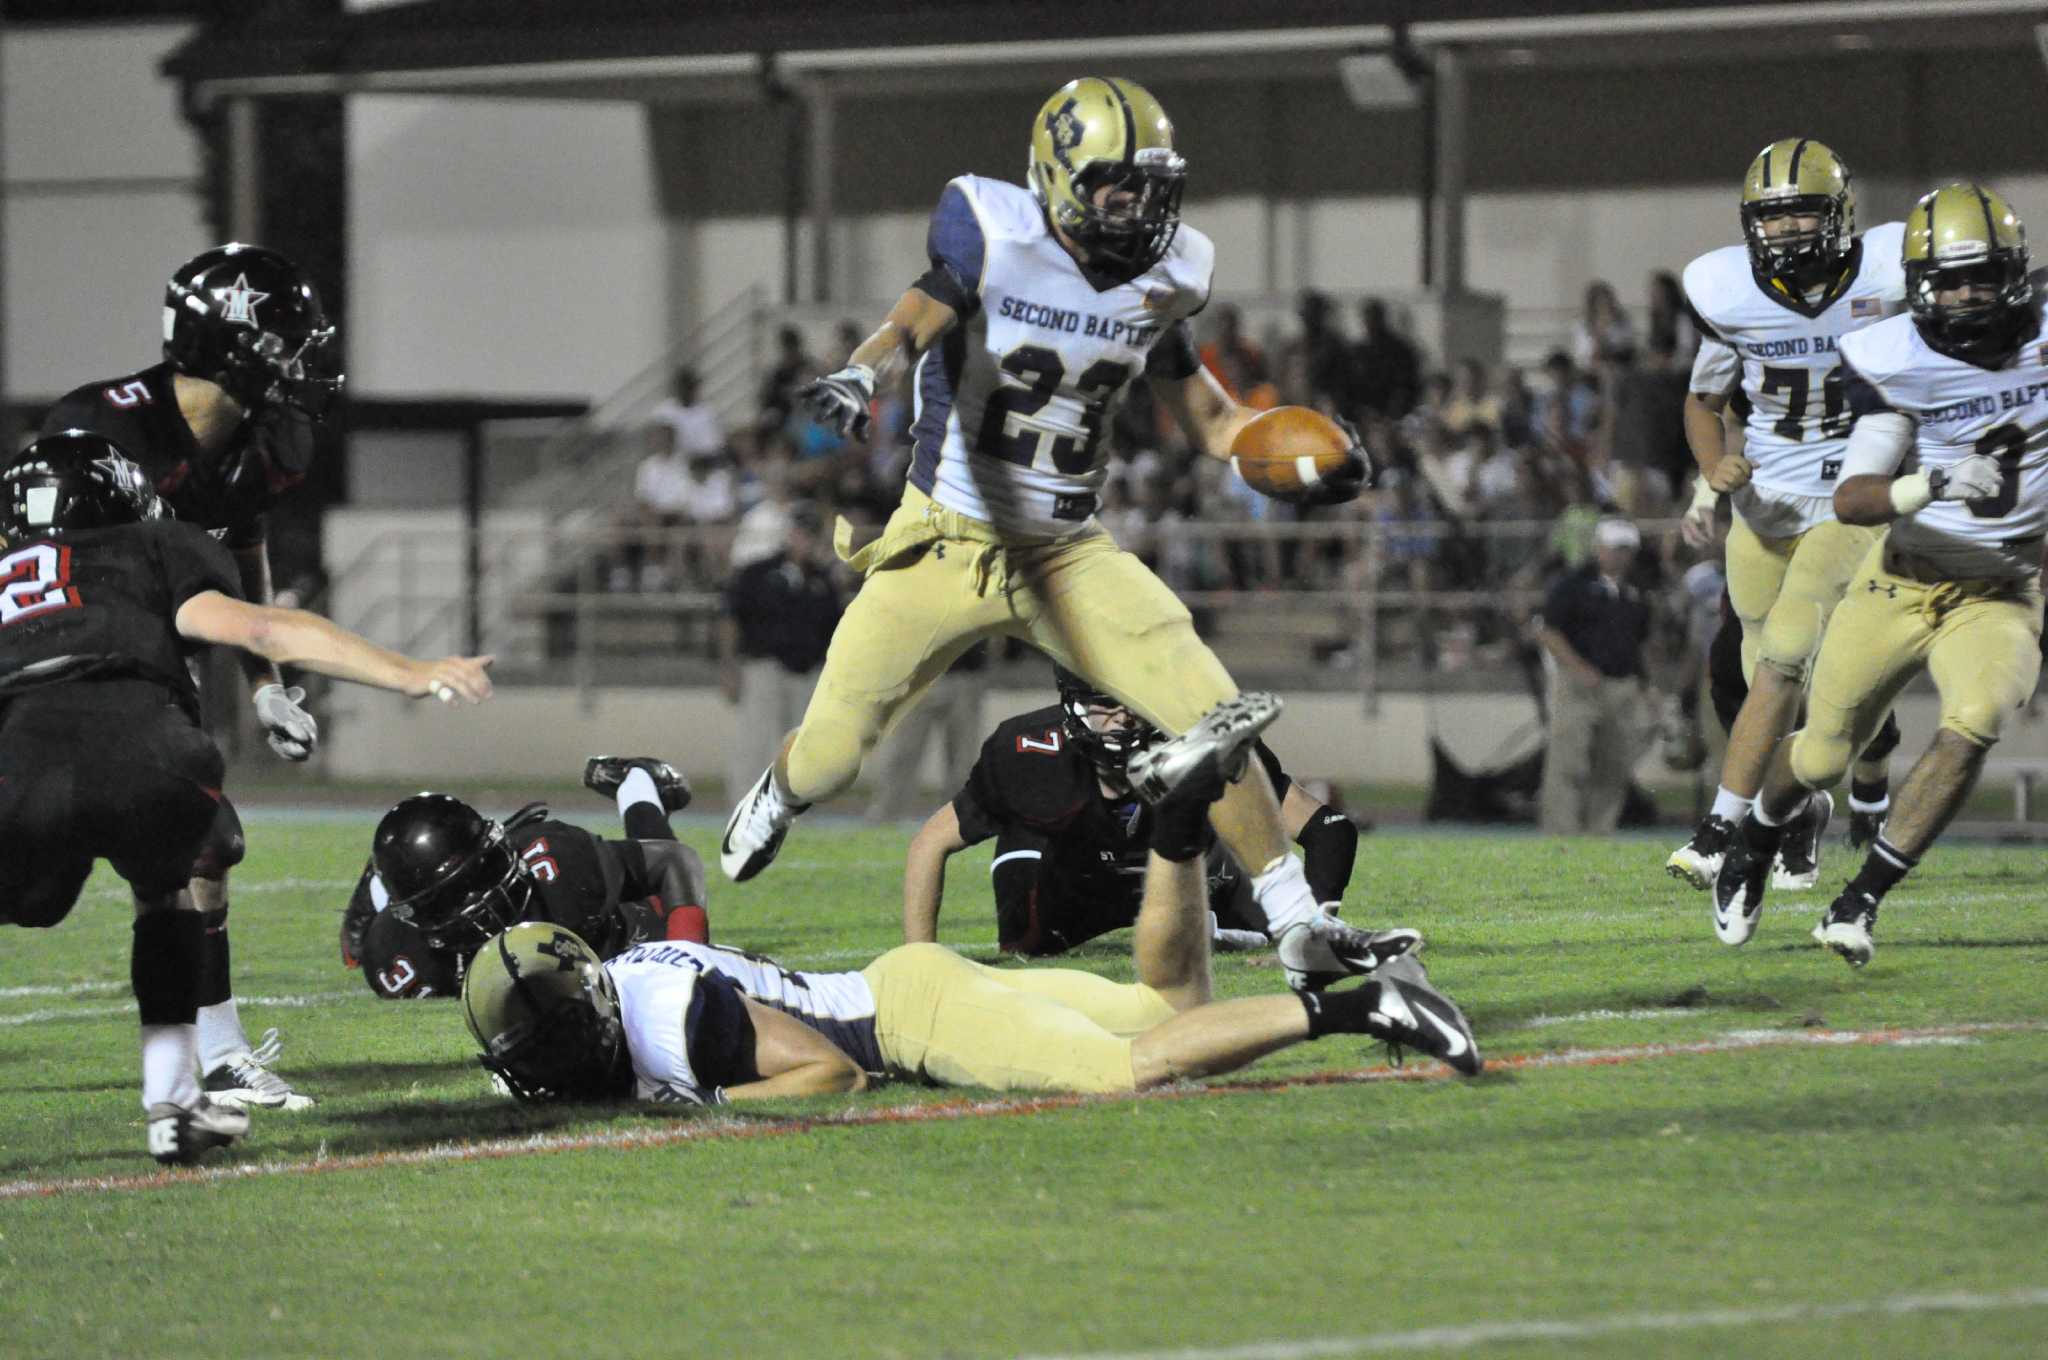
(779, 615)
(1594, 625)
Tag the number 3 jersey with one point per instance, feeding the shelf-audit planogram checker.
(1784, 354)
(686, 1028)
(1014, 403)
(1960, 409)
(101, 602)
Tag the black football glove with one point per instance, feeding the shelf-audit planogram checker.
(1346, 482)
(841, 399)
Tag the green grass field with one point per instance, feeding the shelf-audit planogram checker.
(1676, 1152)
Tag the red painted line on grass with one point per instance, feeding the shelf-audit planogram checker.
(729, 1126)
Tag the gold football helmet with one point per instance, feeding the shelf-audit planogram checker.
(1958, 236)
(1106, 132)
(1798, 177)
(547, 1015)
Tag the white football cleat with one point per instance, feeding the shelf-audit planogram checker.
(180, 1137)
(1798, 865)
(245, 1079)
(754, 832)
(1698, 862)
(1847, 928)
(1326, 950)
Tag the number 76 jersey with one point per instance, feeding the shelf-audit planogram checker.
(1960, 409)
(1784, 350)
(1013, 405)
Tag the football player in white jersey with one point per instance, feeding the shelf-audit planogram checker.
(684, 1022)
(1960, 386)
(1041, 307)
(1772, 314)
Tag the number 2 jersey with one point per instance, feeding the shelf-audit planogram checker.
(1013, 404)
(105, 602)
(1959, 409)
(688, 1032)
(1784, 354)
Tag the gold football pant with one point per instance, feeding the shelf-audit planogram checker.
(1981, 640)
(946, 1019)
(1784, 589)
(937, 582)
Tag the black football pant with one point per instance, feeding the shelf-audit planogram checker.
(1049, 899)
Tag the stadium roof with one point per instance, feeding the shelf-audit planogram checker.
(728, 49)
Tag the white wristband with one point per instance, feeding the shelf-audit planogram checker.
(1911, 493)
(1704, 497)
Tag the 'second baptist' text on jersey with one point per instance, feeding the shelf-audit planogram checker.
(98, 602)
(1960, 409)
(227, 492)
(1784, 354)
(579, 883)
(1014, 402)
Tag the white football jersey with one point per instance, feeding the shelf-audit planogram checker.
(659, 1001)
(1013, 405)
(1787, 352)
(1959, 409)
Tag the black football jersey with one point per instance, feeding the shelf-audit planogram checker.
(1030, 775)
(105, 602)
(227, 492)
(579, 882)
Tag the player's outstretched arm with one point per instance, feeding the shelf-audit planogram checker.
(298, 638)
(924, 873)
(1200, 406)
(794, 1060)
(913, 326)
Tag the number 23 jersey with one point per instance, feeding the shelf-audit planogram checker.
(1014, 402)
(1785, 354)
(1960, 409)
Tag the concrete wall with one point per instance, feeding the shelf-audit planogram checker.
(100, 180)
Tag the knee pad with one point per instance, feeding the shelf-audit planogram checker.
(1790, 636)
(1819, 759)
(164, 968)
(224, 846)
(1885, 742)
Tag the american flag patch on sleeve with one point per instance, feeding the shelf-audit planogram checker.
(1866, 307)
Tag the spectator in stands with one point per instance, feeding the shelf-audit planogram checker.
(1386, 372)
(1647, 453)
(1238, 364)
(699, 432)
(780, 611)
(1566, 411)
(1471, 402)
(1671, 337)
(1603, 334)
(793, 368)
(763, 527)
(1595, 625)
(1315, 368)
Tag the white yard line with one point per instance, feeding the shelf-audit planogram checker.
(1640, 1013)
(1461, 1336)
(708, 1127)
(53, 1015)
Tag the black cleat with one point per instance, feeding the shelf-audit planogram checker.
(1848, 927)
(1407, 1012)
(1739, 889)
(1865, 828)
(1199, 761)
(1798, 867)
(180, 1137)
(603, 775)
(1698, 861)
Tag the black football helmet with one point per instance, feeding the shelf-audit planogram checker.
(1109, 751)
(249, 320)
(72, 480)
(547, 1016)
(451, 872)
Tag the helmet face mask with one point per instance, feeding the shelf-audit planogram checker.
(73, 480)
(451, 872)
(547, 1016)
(1967, 281)
(1104, 169)
(248, 320)
(1798, 177)
(1102, 729)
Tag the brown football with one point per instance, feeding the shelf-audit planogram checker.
(1285, 452)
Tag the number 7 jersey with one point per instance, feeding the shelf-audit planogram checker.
(1959, 409)
(1014, 403)
(1785, 354)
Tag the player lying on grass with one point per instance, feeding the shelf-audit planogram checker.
(443, 878)
(681, 1022)
(101, 752)
(1052, 788)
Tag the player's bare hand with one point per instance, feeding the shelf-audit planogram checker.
(841, 400)
(1730, 473)
(1696, 529)
(456, 679)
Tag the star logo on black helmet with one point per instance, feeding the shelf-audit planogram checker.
(238, 302)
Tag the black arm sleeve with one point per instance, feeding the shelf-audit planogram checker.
(1281, 783)
(942, 283)
(720, 1033)
(1173, 356)
(1017, 876)
(1329, 845)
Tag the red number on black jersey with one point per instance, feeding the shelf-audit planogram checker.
(129, 395)
(34, 582)
(1048, 745)
(543, 864)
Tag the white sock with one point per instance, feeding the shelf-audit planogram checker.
(1730, 806)
(170, 1070)
(220, 1034)
(638, 787)
(1764, 818)
(1283, 894)
(1883, 804)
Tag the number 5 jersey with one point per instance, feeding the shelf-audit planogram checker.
(1014, 403)
(1784, 352)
